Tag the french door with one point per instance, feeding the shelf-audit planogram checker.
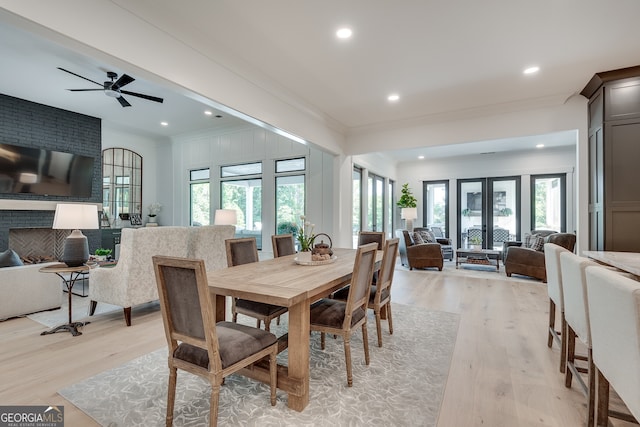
(436, 205)
(488, 211)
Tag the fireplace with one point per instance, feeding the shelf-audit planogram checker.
(37, 244)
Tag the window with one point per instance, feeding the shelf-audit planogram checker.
(390, 209)
(245, 196)
(375, 211)
(436, 205)
(357, 204)
(199, 197)
(290, 195)
(548, 202)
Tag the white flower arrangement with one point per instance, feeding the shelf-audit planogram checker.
(154, 209)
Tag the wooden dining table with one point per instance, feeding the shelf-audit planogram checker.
(625, 261)
(281, 281)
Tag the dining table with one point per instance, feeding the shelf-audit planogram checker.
(625, 261)
(285, 282)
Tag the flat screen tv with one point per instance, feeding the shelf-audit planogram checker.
(28, 170)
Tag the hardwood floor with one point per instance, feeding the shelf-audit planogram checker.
(502, 373)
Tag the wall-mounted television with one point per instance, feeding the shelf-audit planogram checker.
(29, 170)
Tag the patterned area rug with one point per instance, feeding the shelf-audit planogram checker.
(403, 385)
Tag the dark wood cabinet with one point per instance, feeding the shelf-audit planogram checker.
(614, 160)
(110, 238)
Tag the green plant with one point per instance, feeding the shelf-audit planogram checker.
(466, 212)
(103, 252)
(406, 200)
(287, 227)
(305, 234)
(475, 240)
(506, 211)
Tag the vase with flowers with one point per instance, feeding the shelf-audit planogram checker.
(305, 239)
(154, 210)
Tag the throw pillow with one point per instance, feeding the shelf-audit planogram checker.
(427, 236)
(9, 258)
(536, 242)
(527, 240)
(417, 238)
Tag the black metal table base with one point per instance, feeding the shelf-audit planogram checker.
(67, 327)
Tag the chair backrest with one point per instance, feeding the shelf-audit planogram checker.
(500, 235)
(241, 251)
(388, 267)
(365, 237)
(566, 240)
(360, 281)
(474, 232)
(437, 231)
(187, 307)
(554, 276)
(207, 243)
(614, 312)
(283, 245)
(574, 285)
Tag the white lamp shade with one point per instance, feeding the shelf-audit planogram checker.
(72, 216)
(225, 217)
(409, 213)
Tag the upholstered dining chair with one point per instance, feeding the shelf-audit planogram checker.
(380, 292)
(282, 245)
(614, 317)
(576, 311)
(556, 300)
(243, 251)
(365, 237)
(331, 316)
(199, 345)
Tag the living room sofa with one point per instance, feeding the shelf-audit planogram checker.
(132, 280)
(24, 290)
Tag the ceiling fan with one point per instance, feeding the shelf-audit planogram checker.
(113, 88)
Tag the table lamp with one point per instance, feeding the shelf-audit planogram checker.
(409, 214)
(225, 217)
(75, 216)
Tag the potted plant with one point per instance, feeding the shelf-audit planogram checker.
(154, 210)
(475, 242)
(506, 211)
(407, 203)
(102, 254)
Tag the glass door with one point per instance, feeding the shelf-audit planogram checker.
(488, 212)
(436, 205)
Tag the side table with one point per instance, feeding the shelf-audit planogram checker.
(73, 274)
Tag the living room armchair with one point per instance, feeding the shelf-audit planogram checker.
(422, 255)
(530, 261)
(445, 243)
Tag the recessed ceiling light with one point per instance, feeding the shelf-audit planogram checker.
(164, 123)
(421, 157)
(393, 97)
(208, 113)
(540, 146)
(344, 33)
(531, 70)
(218, 116)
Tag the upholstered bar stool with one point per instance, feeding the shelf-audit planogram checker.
(556, 300)
(614, 316)
(576, 312)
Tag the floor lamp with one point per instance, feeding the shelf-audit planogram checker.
(75, 216)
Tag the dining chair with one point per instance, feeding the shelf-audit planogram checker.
(243, 251)
(556, 300)
(614, 316)
(331, 316)
(199, 345)
(576, 311)
(283, 245)
(380, 292)
(365, 237)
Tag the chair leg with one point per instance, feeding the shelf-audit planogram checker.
(127, 315)
(564, 342)
(322, 340)
(347, 359)
(591, 398)
(278, 321)
(171, 395)
(571, 355)
(92, 307)
(365, 340)
(378, 326)
(267, 325)
(389, 318)
(273, 371)
(258, 324)
(602, 392)
(552, 322)
(214, 404)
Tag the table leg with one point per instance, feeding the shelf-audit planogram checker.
(71, 326)
(299, 353)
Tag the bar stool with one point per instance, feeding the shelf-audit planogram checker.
(556, 299)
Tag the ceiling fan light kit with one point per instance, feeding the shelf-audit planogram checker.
(112, 87)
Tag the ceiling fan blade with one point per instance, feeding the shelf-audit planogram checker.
(122, 81)
(141, 95)
(78, 75)
(123, 101)
(85, 90)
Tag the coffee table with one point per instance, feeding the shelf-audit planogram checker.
(478, 257)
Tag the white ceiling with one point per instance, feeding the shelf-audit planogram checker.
(443, 58)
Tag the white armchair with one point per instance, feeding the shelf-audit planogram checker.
(132, 280)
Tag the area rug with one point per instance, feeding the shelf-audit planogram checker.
(403, 385)
(472, 271)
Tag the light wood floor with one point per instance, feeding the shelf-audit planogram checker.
(502, 373)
